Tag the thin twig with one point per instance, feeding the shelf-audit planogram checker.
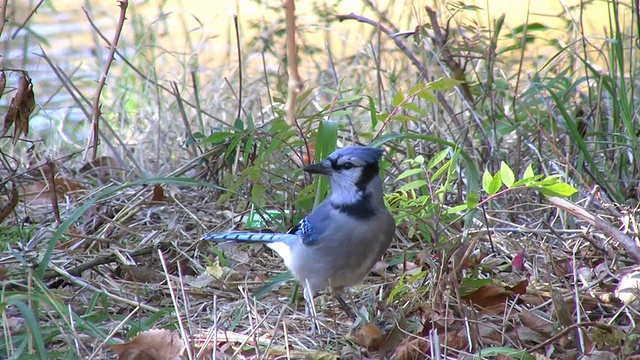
(49, 173)
(422, 70)
(123, 4)
(24, 23)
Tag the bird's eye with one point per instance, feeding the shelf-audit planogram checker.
(348, 166)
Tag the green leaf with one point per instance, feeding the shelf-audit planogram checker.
(428, 96)
(487, 178)
(398, 99)
(408, 173)
(348, 99)
(271, 284)
(530, 27)
(250, 123)
(372, 112)
(239, 125)
(558, 189)
(472, 200)
(509, 352)
(216, 138)
(413, 185)
(549, 180)
(495, 184)
(443, 84)
(403, 117)
(415, 108)
(326, 140)
(439, 156)
(527, 181)
(33, 325)
(528, 172)
(441, 171)
(507, 174)
(457, 209)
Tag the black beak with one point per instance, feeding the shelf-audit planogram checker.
(323, 168)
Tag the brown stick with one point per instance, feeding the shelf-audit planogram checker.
(123, 4)
(599, 224)
(3, 15)
(295, 82)
(440, 39)
(49, 175)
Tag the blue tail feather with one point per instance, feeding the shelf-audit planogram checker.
(249, 237)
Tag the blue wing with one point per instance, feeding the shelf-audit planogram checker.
(304, 229)
(311, 228)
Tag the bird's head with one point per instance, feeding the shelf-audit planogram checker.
(353, 172)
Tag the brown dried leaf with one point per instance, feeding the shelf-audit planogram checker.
(561, 310)
(412, 348)
(489, 296)
(368, 336)
(492, 297)
(13, 201)
(520, 288)
(142, 274)
(20, 109)
(536, 323)
(155, 344)
(527, 336)
(158, 194)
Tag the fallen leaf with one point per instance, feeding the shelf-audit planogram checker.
(368, 336)
(492, 297)
(158, 194)
(155, 344)
(536, 323)
(518, 261)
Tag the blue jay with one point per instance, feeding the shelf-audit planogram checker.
(339, 242)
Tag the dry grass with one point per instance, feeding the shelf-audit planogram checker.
(114, 250)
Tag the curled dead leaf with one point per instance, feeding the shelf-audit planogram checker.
(20, 109)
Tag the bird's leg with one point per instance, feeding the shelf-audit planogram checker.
(310, 309)
(345, 307)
